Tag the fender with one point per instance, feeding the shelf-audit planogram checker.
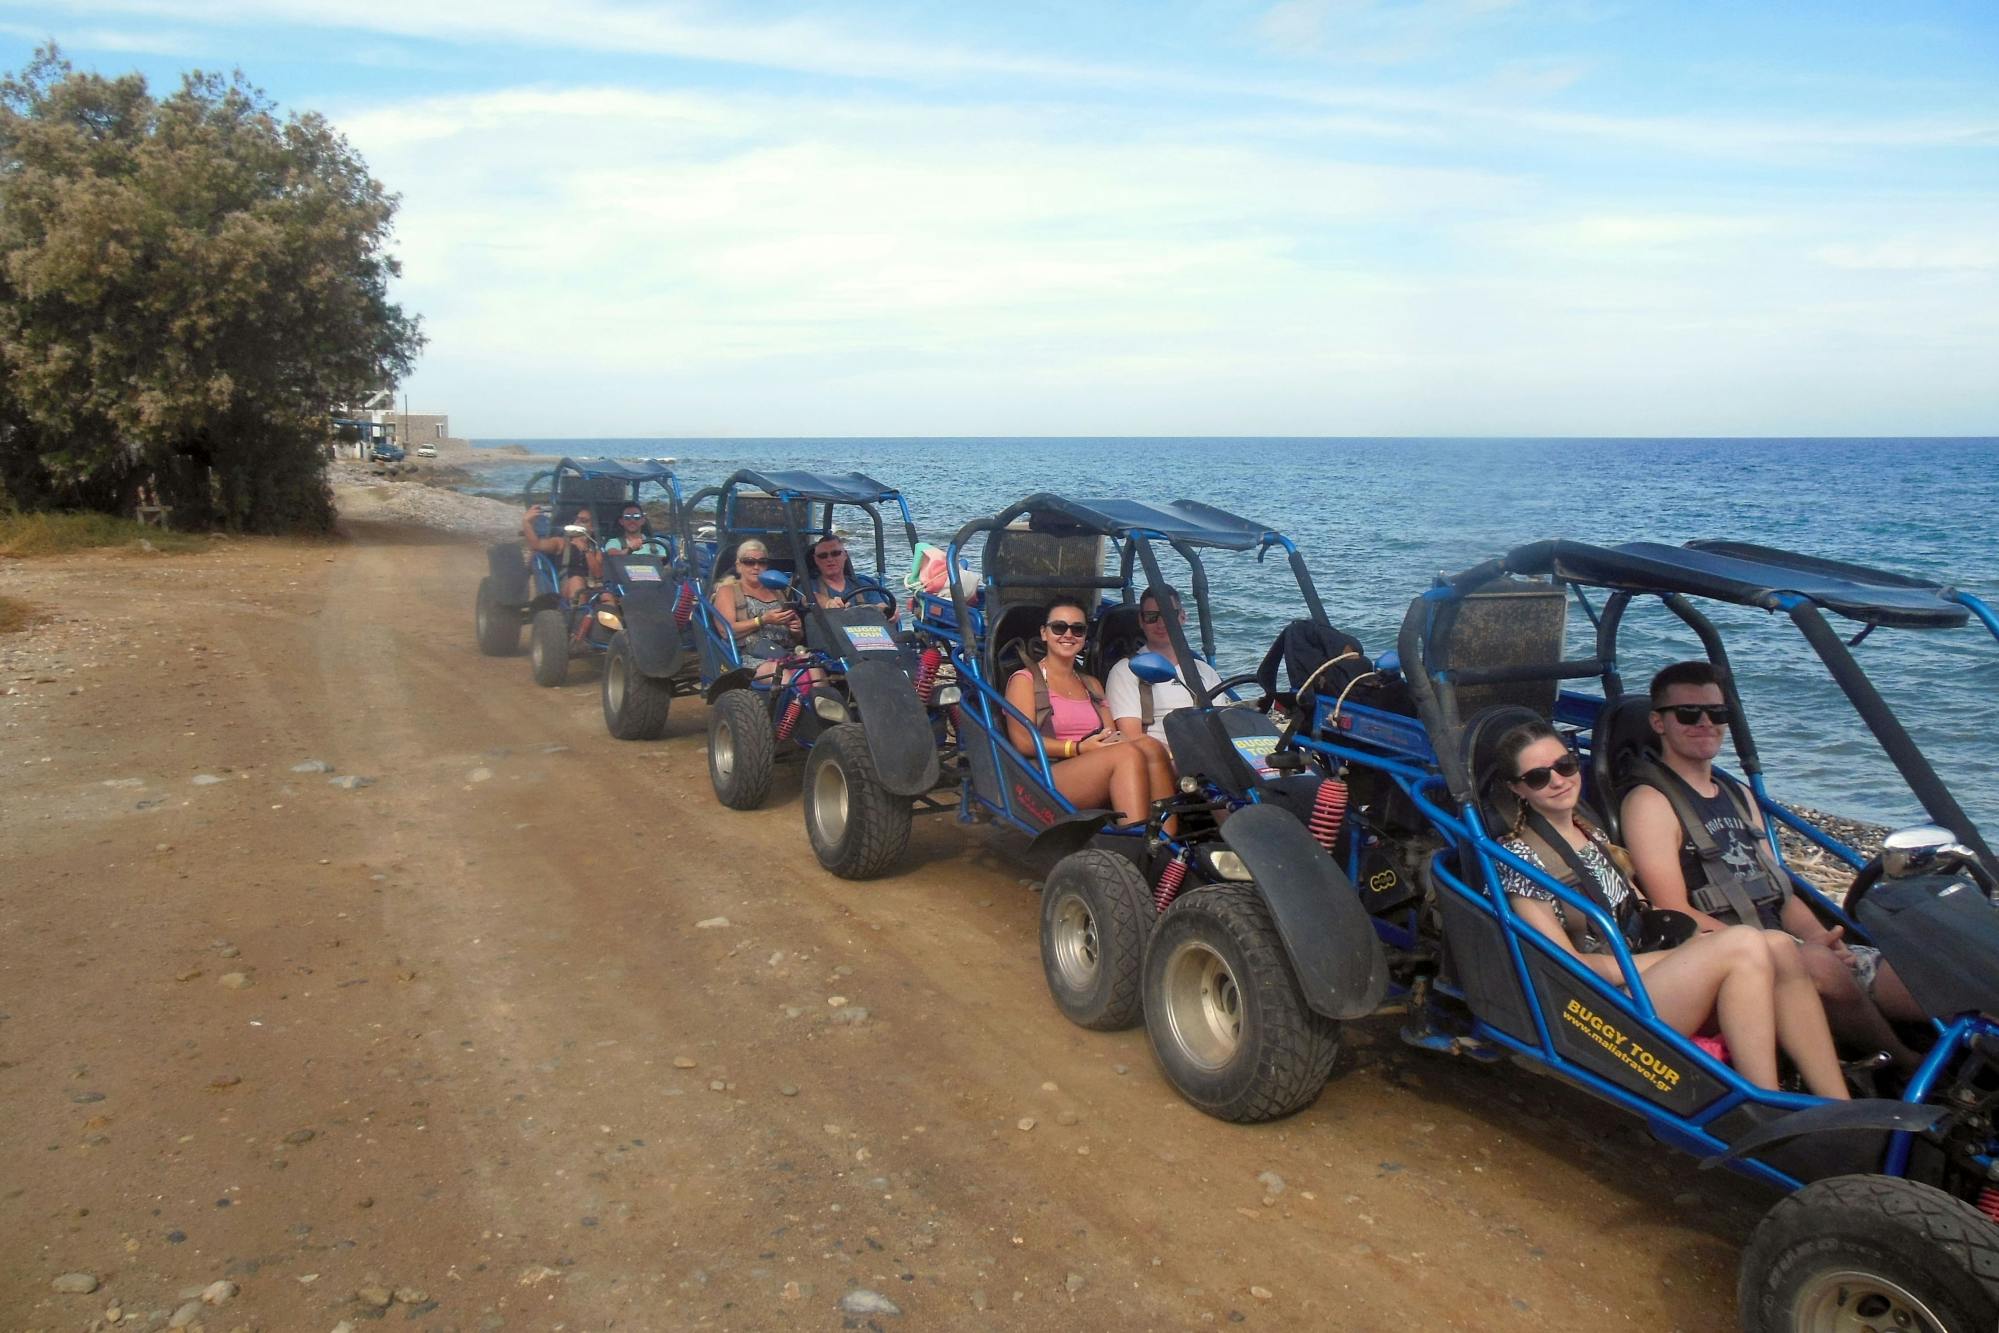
(509, 573)
(737, 678)
(650, 628)
(1830, 1117)
(896, 726)
(1327, 934)
(1072, 833)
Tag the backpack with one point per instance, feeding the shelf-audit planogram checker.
(1323, 662)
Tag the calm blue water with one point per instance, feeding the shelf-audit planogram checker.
(1377, 519)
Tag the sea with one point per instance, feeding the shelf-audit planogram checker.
(1379, 519)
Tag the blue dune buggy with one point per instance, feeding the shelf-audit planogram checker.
(525, 587)
(846, 694)
(1892, 1225)
(1109, 884)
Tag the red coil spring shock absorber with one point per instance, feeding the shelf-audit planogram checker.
(786, 723)
(683, 610)
(1988, 1202)
(926, 673)
(1170, 880)
(1329, 807)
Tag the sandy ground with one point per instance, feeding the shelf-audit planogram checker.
(528, 1033)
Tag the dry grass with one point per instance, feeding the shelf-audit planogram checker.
(24, 536)
(17, 615)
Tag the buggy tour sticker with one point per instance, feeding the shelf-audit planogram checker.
(870, 638)
(1256, 752)
(1652, 1068)
(642, 573)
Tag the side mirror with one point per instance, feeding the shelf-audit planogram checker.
(1909, 851)
(775, 579)
(576, 530)
(1152, 668)
(1389, 663)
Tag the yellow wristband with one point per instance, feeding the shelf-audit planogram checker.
(760, 620)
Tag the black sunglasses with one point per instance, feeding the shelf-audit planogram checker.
(1154, 616)
(1060, 628)
(1536, 778)
(827, 555)
(751, 560)
(1689, 714)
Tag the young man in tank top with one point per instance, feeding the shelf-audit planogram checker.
(1690, 717)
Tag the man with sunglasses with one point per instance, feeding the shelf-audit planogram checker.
(635, 535)
(1138, 707)
(1698, 844)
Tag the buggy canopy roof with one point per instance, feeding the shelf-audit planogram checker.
(1187, 521)
(1746, 574)
(617, 469)
(817, 487)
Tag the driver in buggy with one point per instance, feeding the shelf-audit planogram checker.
(835, 583)
(1139, 707)
(1699, 846)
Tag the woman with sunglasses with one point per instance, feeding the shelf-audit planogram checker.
(764, 625)
(1749, 982)
(1091, 763)
(835, 585)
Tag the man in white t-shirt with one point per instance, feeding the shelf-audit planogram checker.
(1135, 713)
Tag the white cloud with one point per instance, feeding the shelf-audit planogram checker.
(1905, 255)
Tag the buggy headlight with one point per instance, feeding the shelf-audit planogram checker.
(830, 709)
(609, 620)
(1221, 863)
(947, 696)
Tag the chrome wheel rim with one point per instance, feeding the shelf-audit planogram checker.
(1073, 937)
(722, 752)
(1203, 1005)
(1848, 1300)
(829, 804)
(614, 684)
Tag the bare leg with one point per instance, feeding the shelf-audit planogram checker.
(1728, 974)
(1801, 1019)
(1158, 767)
(1892, 998)
(1114, 775)
(1849, 1010)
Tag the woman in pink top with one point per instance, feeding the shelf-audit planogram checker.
(1092, 764)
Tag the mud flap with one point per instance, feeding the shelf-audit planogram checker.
(509, 573)
(650, 627)
(897, 727)
(737, 679)
(1327, 934)
(1070, 834)
(1831, 1117)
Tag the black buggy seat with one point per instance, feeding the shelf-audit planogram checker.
(1117, 634)
(1496, 805)
(1230, 746)
(1622, 733)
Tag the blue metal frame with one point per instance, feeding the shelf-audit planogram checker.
(1407, 753)
(545, 575)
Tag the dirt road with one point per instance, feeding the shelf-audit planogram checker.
(530, 1034)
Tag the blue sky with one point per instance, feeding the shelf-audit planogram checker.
(1313, 217)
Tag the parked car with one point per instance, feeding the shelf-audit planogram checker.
(386, 453)
(426, 451)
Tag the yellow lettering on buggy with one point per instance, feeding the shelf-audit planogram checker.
(1649, 1066)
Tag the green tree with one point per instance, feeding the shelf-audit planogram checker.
(186, 285)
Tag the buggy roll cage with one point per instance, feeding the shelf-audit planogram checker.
(1765, 578)
(627, 479)
(1188, 526)
(791, 494)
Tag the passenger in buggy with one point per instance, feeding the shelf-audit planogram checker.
(578, 561)
(1139, 707)
(1092, 764)
(1748, 982)
(1731, 876)
(766, 626)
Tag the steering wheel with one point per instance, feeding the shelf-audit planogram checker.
(1869, 876)
(1232, 683)
(888, 599)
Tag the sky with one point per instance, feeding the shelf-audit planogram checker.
(1161, 217)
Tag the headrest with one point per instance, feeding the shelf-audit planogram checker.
(1481, 740)
(1623, 731)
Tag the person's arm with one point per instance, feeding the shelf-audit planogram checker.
(551, 545)
(1798, 919)
(1652, 834)
(1541, 915)
(1020, 693)
(1121, 695)
(731, 606)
